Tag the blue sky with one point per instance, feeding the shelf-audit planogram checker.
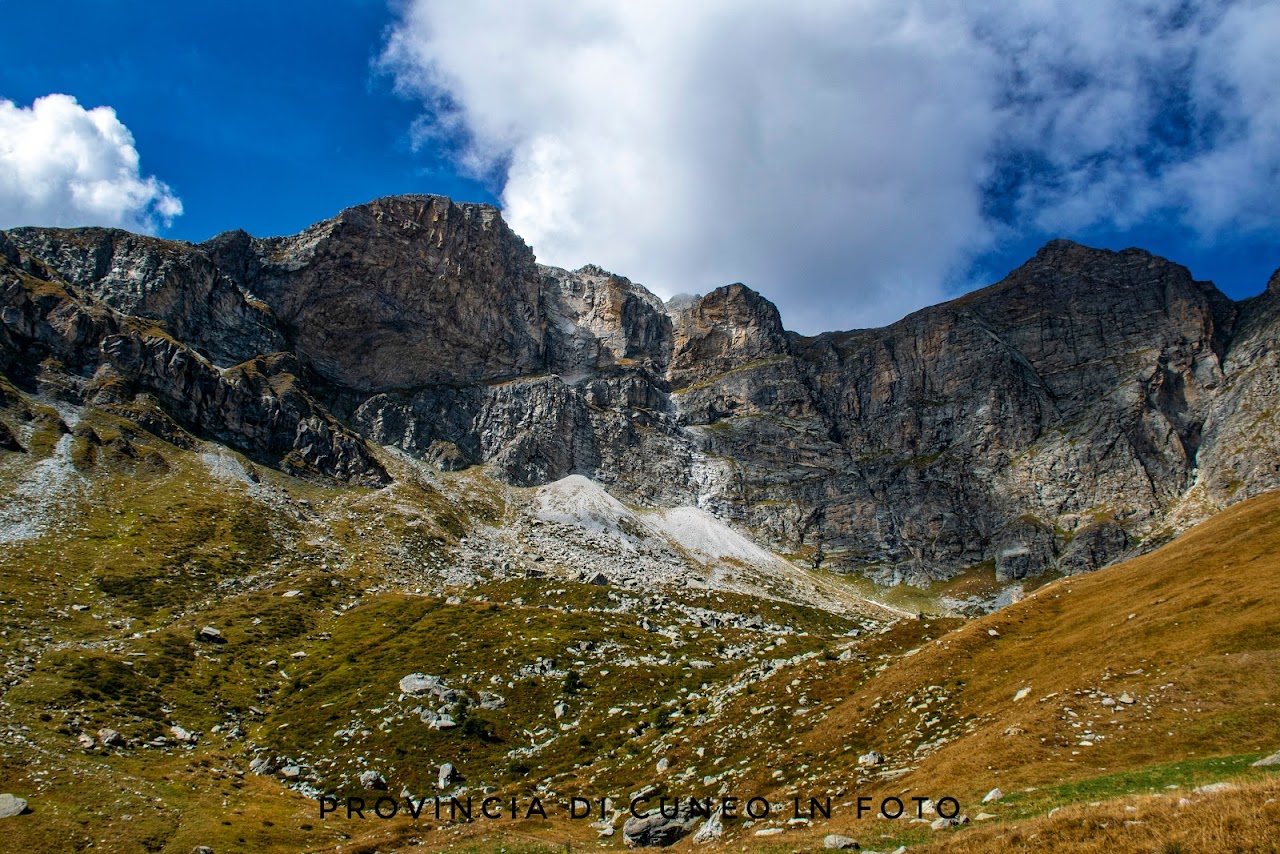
(851, 163)
(260, 115)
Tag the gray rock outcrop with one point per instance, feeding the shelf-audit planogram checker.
(1088, 406)
(446, 775)
(1268, 762)
(11, 805)
(372, 780)
(658, 830)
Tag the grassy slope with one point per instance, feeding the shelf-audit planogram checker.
(1190, 632)
(156, 548)
(1198, 657)
(140, 547)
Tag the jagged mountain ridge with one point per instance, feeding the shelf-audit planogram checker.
(1090, 404)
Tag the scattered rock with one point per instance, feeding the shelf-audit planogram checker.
(769, 831)
(1273, 759)
(210, 635)
(1214, 788)
(446, 776)
(262, 765)
(182, 735)
(11, 806)
(85, 740)
(291, 772)
(1022, 693)
(870, 759)
(372, 780)
(439, 721)
(202, 849)
(993, 795)
(646, 792)
(663, 764)
(491, 701)
(560, 710)
(711, 830)
(656, 830)
(110, 738)
(1127, 699)
(417, 684)
(839, 842)
(983, 816)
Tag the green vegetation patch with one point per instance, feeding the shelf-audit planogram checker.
(1184, 775)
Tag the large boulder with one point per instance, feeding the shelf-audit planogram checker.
(656, 830)
(11, 805)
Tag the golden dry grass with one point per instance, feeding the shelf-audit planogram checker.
(1191, 632)
(1200, 656)
(1243, 820)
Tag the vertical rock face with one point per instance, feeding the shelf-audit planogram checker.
(172, 283)
(62, 341)
(1239, 453)
(400, 292)
(1070, 393)
(1091, 403)
(724, 330)
(602, 322)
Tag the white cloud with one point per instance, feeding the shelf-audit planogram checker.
(63, 165)
(1234, 183)
(841, 157)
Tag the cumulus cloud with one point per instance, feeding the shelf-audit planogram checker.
(63, 165)
(849, 160)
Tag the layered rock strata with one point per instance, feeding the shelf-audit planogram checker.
(1089, 405)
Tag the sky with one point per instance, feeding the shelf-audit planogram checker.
(853, 161)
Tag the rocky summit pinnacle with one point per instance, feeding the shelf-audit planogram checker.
(1090, 405)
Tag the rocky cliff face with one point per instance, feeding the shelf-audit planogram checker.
(1089, 405)
(399, 293)
(67, 342)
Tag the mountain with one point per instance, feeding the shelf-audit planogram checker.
(387, 510)
(1088, 407)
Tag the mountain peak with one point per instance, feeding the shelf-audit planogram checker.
(427, 325)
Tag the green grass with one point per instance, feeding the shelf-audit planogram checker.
(373, 646)
(1183, 774)
(921, 461)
